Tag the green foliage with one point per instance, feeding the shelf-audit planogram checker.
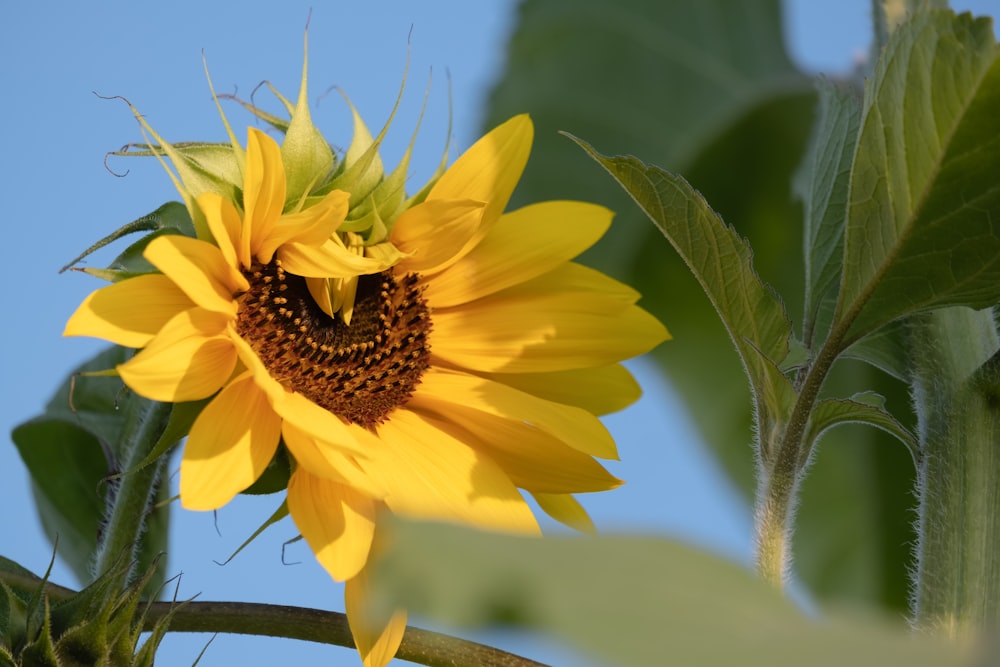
(72, 452)
(646, 601)
(721, 261)
(707, 89)
(921, 226)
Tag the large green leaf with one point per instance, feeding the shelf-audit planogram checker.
(71, 452)
(822, 185)
(631, 601)
(721, 261)
(923, 225)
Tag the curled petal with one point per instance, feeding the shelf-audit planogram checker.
(428, 474)
(524, 244)
(443, 390)
(189, 359)
(263, 193)
(224, 222)
(434, 232)
(337, 522)
(199, 269)
(231, 442)
(330, 260)
(376, 645)
(129, 312)
(311, 226)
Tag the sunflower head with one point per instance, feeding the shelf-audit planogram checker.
(434, 355)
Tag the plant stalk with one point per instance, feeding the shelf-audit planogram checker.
(778, 477)
(325, 627)
(956, 392)
(130, 496)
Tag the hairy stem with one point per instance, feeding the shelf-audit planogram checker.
(956, 392)
(131, 494)
(778, 477)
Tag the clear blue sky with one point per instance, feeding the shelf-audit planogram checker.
(59, 199)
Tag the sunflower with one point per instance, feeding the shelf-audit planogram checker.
(465, 361)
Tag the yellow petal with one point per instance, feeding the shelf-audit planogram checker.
(231, 442)
(263, 193)
(329, 260)
(490, 169)
(566, 509)
(129, 312)
(434, 232)
(377, 646)
(323, 460)
(189, 359)
(224, 222)
(337, 522)
(430, 475)
(599, 391)
(530, 457)
(522, 245)
(443, 391)
(317, 422)
(199, 269)
(311, 226)
(530, 328)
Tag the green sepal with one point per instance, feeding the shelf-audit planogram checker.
(277, 516)
(306, 155)
(62, 628)
(171, 218)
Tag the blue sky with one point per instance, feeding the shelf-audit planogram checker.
(60, 198)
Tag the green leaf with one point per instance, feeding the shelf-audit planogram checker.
(822, 184)
(722, 263)
(70, 452)
(923, 226)
(67, 467)
(863, 408)
(630, 600)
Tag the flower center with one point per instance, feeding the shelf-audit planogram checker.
(360, 372)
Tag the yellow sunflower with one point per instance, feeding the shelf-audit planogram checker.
(469, 359)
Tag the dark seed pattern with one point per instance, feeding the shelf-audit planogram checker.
(360, 372)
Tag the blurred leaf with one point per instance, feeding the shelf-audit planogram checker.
(70, 452)
(923, 225)
(660, 79)
(821, 184)
(632, 601)
(722, 263)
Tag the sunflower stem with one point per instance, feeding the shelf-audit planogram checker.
(325, 627)
(130, 496)
(779, 476)
(956, 392)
